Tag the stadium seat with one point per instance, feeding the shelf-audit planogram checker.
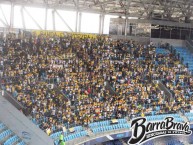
(11, 140)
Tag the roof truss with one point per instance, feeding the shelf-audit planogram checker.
(175, 10)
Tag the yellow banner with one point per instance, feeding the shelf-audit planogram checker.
(81, 35)
(49, 33)
(62, 34)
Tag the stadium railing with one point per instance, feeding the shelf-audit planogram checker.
(102, 128)
(189, 44)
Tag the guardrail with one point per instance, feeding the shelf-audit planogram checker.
(13, 101)
(189, 44)
(90, 138)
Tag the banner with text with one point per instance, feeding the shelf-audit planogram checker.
(62, 34)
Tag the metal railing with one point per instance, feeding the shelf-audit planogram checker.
(13, 100)
(82, 140)
(189, 44)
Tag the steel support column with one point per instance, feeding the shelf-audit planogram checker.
(23, 19)
(80, 21)
(76, 22)
(100, 22)
(46, 19)
(53, 20)
(77, 11)
(12, 16)
(126, 23)
(180, 33)
(102, 25)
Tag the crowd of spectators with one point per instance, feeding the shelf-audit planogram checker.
(65, 81)
(177, 79)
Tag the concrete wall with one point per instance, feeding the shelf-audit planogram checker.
(161, 22)
(21, 125)
(13, 101)
(156, 41)
(174, 42)
(142, 40)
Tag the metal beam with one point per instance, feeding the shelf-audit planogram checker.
(142, 8)
(62, 7)
(4, 15)
(98, 4)
(23, 19)
(3, 22)
(63, 20)
(32, 18)
(75, 3)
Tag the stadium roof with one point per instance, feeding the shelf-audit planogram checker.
(173, 10)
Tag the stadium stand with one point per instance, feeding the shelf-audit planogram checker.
(8, 137)
(189, 116)
(77, 71)
(71, 134)
(103, 126)
(60, 93)
(18, 123)
(185, 56)
(176, 117)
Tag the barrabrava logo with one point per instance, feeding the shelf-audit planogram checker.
(143, 131)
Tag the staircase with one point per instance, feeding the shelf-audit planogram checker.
(161, 87)
(111, 90)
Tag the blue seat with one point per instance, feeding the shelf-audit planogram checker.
(12, 140)
(2, 126)
(5, 134)
(21, 143)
